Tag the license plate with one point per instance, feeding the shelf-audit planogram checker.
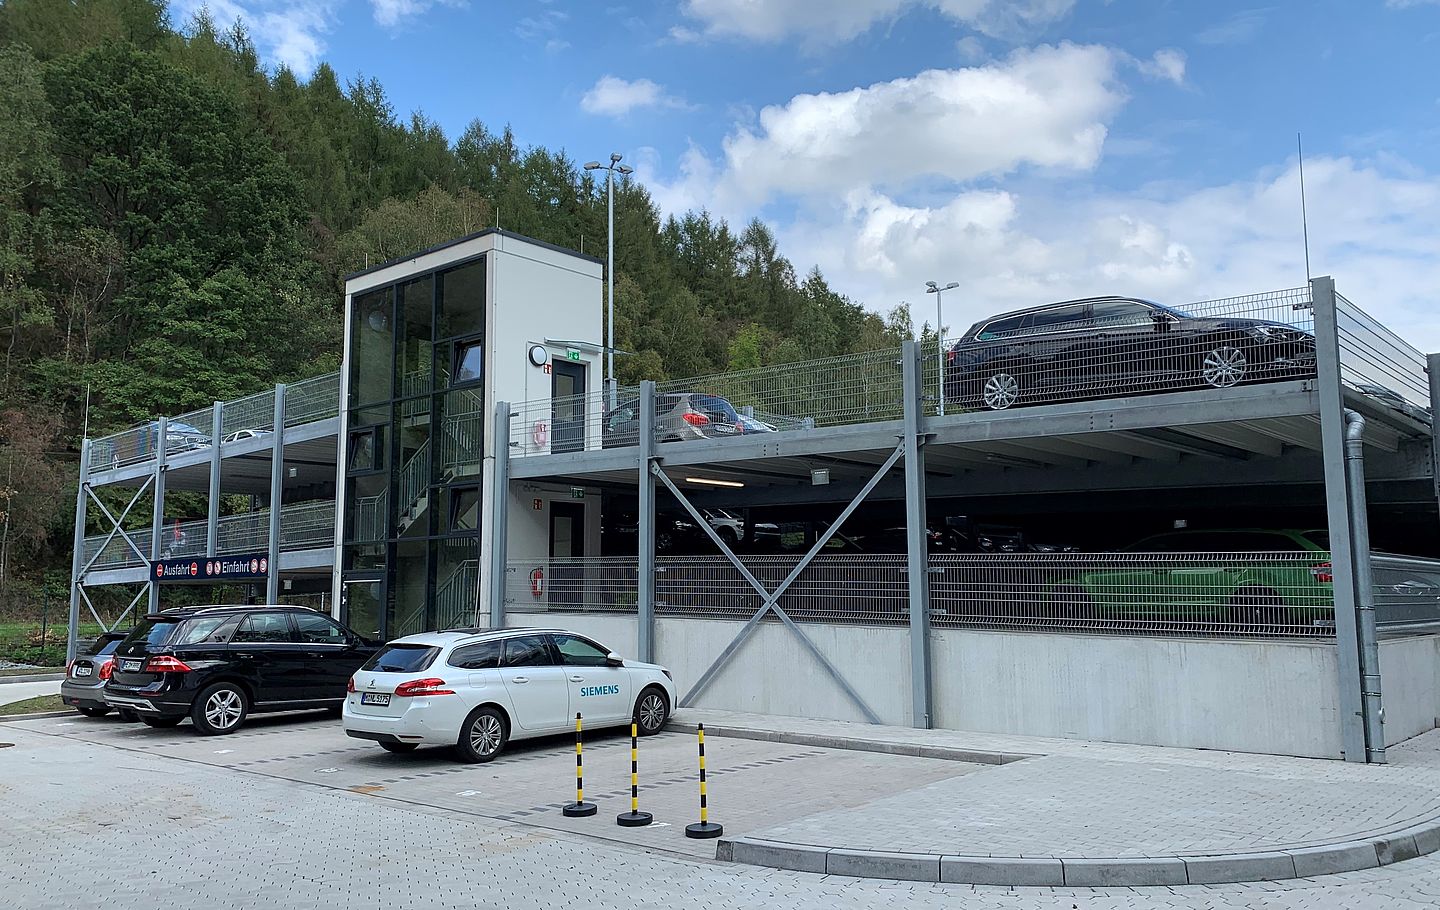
(374, 698)
(131, 666)
(84, 671)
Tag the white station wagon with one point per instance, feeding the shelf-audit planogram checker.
(476, 690)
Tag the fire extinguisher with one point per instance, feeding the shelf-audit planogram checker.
(537, 582)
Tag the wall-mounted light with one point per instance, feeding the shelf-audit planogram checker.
(539, 355)
(819, 476)
(710, 481)
(294, 472)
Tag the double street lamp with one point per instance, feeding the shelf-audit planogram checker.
(933, 288)
(610, 170)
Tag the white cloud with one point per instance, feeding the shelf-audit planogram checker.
(1407, 4)
(1240, 28)
(971, 49)
(391, 13)
(285, 31)
(1168, 64)
(615, 97)
(837, 21)
(1044, 107)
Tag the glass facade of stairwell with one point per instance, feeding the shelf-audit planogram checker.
(413, 452)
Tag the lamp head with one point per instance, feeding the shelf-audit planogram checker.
(931, 287)
(616, 156)
(625, 169)
(591, 165)
(953, 284)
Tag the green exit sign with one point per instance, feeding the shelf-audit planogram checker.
(572, 355)
(577, 492)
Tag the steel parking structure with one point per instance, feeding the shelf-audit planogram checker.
(1201, 418)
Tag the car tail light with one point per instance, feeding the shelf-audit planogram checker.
(695, 418)
(428, 686)
(164, 663)
(1322, 573)
(107, 669)
(69, 667)
(350, 684)
(950, 356)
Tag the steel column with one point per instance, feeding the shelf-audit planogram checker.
(1433, 368)
(212, 513)
(916, 540)
(76, 570)
(645, 517)
(1337, 507)
(500, 516)
(157, 513)
(277, 493)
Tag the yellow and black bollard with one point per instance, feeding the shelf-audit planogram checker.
(634, 818)
(579, 808)
(705, 828)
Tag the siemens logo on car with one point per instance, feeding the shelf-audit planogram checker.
(599, 690)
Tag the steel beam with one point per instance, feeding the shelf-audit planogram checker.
(277, 493)
(917, 547)
(500, 516)
(645, 518)
(76, 570)
(1433, 368)
(115, 525)
(1338, 506)
(157, 512)
(212, 512)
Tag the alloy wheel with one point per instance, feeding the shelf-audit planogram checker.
(223, 709)
(1001, 391)
(486, 734)
(1224, 366)
(652, 712)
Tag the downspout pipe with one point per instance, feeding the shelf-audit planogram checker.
(1374, 708)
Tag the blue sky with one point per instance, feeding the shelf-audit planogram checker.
(1030, 149)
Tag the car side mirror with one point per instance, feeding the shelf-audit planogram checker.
(614, 660)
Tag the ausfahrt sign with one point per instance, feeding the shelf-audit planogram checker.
(211, 569)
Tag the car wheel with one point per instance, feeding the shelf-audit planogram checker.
(652, 710)
(729, 536)
(482, 736)
(1223, 366)
(93, 712)
(128, 716)
(399, 747)
(220, 709)
(1256, 609)
(161, 722)
(1002, 390)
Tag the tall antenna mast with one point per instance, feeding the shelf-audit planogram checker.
(1304, 221)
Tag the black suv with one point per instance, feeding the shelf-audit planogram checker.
(1108, 346)
(216, 665)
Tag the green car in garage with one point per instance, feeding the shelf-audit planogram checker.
(1242, 577)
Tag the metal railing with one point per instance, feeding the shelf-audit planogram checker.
(1379, 364)
(1407, 592)
(303, 525)
(865, 589)
(595, 584)
(1115, 348)
(573, 423)
(306, 401)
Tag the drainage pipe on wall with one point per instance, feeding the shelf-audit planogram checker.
(1374, 716)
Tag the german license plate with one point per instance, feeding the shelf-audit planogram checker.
(374, 698)
(131, 666)
(84, 671)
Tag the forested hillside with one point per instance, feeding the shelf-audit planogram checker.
(175, 219)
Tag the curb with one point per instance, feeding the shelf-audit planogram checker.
(10, 718)
(38, 677)
(855, 744)
(1090, 872)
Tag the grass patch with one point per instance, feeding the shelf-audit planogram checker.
(23, 641)
(36, 671)
(36, 705)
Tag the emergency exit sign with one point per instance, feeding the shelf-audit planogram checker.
(572, 355)
(577, 492)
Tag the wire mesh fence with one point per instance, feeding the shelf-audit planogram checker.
(575, 423)
(1407, 592)
(1378, 363)
(1113, 347)
(865, 589)
(303, 525)
(309, 400)
(595, 584)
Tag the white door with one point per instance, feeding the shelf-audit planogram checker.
(598, 691)
(536, 684)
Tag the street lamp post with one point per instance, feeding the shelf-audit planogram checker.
(933, 288)
(610, 169)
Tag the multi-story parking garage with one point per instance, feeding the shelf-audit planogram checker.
(855, 538)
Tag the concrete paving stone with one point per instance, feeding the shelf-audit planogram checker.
(796, 857)
(1124, 871)
(915, 867)
(1240, 867)
(1012, 870)
(1327, 860)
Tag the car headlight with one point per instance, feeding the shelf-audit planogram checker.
(667, 673)
(1270, 332)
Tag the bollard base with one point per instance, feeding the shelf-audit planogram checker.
(579, 810)
(634, 819)
(704, 829)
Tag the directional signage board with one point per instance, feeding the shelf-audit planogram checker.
(211, 569)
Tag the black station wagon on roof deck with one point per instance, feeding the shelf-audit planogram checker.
(1109, 346)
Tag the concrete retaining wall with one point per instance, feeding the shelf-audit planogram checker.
(1410, 681)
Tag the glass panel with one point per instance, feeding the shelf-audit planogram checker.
(402, 658)
(215, 629)
(1122, 312)
(415, 308)
(367, 512)
(319, 630)
(362, 607)
(359, 557)
(463, 508)
(372, 343)
(457, 582)
(577, 652)
(462, 300)
(407, 590)
(263, 628)
(1056, 320)
(365, 451)
(469, 364)
(413, 470)
(527, 651)
(462, 437)
(484, 656)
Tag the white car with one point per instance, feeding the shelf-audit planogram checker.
(476, 690)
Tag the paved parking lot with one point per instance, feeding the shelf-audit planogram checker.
(752, 784)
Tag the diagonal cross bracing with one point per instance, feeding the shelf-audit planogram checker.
(115, 524)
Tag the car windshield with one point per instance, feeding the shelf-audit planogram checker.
(402, 658)
(103, 646)
(714, 404)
